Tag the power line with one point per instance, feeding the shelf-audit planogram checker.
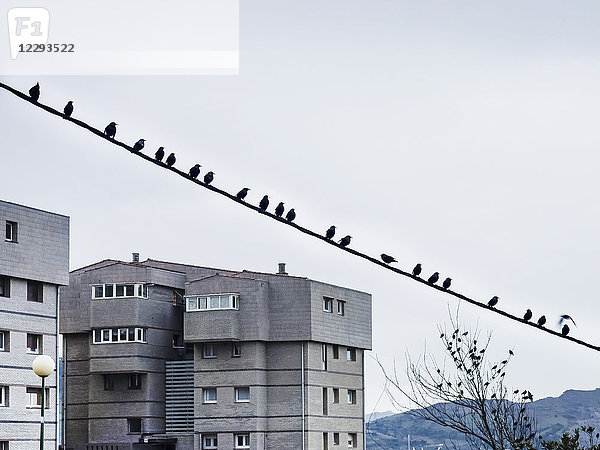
(292, 224)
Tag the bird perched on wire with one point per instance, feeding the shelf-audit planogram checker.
(279, 209)
(564, 317)
(565, 330)
(493, 301)
(417, 270)
(160, 154)
(68, 109)
(195, 171)
(387, 258)
(264, 203)
(447, 283)
(209, 177)
(34, 92)
(291, 215)
(111, 130)
(541, 321)
(242, 194)
(171, 159)
(139, 145)
(330, 232)
(434, 278)
(528, 315)
(345, 241)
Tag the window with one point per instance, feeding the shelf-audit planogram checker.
(241, 441)
(325, 401)
(220, 301)
(35, 291)
(3, 341)
(34, 343)
(327, 304)
(11, 231)
(210, 395)
(336, 438)
(242, 394)
(3, 397)
(352, 440)
(323, 356)
(135, 381)
(351, 354)
(209, 442)
(175, 340)
(3, 445)
(209, 351)
(107, 335)
(341, 307)
(134, 425)
(325, 441)
(109, 382)
(114, 290)
(352, 396)
(34, 398)
(336, 352)
(236, 350)
(336, 395)
(4, 288)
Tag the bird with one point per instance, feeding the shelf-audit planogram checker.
(242, 194)
(139, 145)
(565, 330)
(417, 270)
(493, 301)
(434, 278)
(528, 315)
(171, 159)
(209, 177)
(279, 209)
(68, 109)
(160, 154)
(345, 241)
(541, 321)
(111, 130)
(564, 317)
(447, 283)
(291, 215)
(330, 232)
(264, 203)
(195, 171)
(34, 92)
(388, 259)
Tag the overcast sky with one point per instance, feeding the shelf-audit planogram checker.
(462, 135)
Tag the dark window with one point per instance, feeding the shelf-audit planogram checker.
(336, 438)
(134, 425)
(236, 350)
(2, 340)
(35, 291)
(351, 354)
(3, 398)
(11, 231)
(109, 382)
(4, 445)
(336, 352)
(336, 395)
(135, 381)
(175, 340)
(4, 288)
(325, 402)
(341, 307)
(34, 343)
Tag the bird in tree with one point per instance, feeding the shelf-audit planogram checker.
(565, 330)
(160, 154)
(111, 130)
(493, 301)
(171, 159)
(209, 177)
(447, 283)
(139, 145)
(68, 109)
(330, 232)
(417, 270)
(387, 258)
(34, 92)
(528, 315)
(279, 209)
(291, 215)
(564, 317)
(541, 321)
(434, 278)
(345, 241)
(264, 203)
(242, 194)
(195, 171)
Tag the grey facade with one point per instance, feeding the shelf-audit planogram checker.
(34, 262)
(228, 360)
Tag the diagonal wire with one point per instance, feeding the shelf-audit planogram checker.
(292, 224)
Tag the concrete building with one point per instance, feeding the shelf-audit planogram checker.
(34, 262)
(171, 356)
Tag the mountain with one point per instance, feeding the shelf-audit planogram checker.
(378, 415)
(554, 415)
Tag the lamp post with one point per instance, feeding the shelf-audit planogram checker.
(43, 366)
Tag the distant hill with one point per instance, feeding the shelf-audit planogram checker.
(554, 415)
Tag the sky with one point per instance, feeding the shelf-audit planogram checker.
(461, 135)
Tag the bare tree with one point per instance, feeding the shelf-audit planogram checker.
(468, 395)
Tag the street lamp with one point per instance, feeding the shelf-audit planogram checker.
(43, 366)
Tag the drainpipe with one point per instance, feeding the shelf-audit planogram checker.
(303, 412)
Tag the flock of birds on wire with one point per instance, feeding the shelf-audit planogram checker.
(111, 130)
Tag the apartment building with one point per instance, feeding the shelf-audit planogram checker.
(161, 355)
(34, 262)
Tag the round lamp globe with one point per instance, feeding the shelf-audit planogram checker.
(43, 365)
